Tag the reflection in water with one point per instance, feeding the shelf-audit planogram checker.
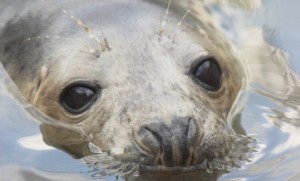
(271, 116)
(34, 142)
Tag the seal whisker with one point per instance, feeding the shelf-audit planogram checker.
(179, 23)
(56, 37)
(164, 21)
(103, 45)
(89, 48)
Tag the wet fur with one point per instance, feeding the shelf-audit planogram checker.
(141, 65)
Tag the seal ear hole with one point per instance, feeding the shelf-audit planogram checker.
(78, 97)
(208, 74)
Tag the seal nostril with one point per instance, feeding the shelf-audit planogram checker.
(155, 140)
(148, 141)
(172, 145)
(192, 132)
(194, 138)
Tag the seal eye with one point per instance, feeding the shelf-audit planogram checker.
(77, 98)
(208, 74)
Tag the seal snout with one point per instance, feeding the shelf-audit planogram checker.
(170, 146)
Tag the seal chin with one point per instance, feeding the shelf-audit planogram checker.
(182, 147)
(225, 154)
(159, 169)
(221, 156)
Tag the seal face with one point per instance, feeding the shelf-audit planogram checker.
(144, 90)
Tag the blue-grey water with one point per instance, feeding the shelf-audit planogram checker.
(275, 126)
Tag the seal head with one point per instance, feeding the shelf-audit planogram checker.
(142, 85)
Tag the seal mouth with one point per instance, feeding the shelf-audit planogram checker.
(165, 170)
(132, 162)
(224, 156)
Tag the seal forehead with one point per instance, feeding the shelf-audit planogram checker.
(134, 42)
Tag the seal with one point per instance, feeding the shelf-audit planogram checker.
(146, 82)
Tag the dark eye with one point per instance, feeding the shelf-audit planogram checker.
(208, 74)
(77, 98)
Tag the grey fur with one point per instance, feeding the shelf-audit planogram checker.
(143, 73)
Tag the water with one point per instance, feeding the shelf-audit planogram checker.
(273, 122)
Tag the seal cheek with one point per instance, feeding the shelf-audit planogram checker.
(67, 139)
(34, 92)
